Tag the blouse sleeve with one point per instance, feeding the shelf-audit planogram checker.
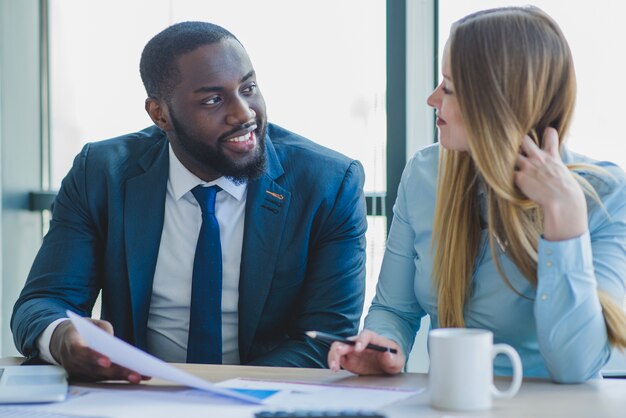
(395, 312)
(571, 330)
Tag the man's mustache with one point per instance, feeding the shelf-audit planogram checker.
(239, 128)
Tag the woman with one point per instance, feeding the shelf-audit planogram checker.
(499, 226)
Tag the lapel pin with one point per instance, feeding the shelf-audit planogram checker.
(276, 195)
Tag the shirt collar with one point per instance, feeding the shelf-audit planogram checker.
(182, 180)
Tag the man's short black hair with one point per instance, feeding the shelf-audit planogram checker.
(158, 66)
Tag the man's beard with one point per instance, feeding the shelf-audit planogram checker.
(217, 160)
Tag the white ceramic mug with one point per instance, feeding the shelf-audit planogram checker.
(461, 369)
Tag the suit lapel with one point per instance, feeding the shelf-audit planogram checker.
(267, 205)
(143, 223)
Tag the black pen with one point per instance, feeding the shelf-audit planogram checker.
(330, 338)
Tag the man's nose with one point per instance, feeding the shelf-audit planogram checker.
(239, 112)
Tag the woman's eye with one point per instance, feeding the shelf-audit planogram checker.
(446, 90)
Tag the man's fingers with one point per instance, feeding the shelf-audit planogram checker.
(90, 371)
(105, 325)
(84, 363)
(85, 354)
(116, 372)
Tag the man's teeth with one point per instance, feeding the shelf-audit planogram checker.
(241, 138)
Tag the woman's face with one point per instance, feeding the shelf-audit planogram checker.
(452, 134)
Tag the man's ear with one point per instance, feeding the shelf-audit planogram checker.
(158, 112)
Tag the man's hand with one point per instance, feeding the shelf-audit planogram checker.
(360, 360)
(81, 362)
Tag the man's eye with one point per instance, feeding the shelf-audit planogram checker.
(250, 89)
(212, 100)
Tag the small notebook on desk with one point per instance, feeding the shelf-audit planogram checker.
(613, 374)
(616, 367)
(32, 384)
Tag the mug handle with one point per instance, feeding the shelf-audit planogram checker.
(517, 371)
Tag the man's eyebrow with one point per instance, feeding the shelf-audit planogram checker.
(209, 89)
(247, 76)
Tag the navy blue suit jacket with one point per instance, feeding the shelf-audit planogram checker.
(303, 258)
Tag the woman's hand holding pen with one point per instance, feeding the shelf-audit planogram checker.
(357, 359)
(543, 177)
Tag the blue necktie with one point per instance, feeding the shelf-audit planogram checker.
(205, 320)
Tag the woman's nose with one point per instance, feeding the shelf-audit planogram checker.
(433, 100)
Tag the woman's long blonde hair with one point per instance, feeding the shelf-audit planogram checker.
(513, 75)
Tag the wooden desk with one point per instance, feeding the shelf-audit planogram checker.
(595, 399)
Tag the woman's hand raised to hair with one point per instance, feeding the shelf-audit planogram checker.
(543, 177)
(357, 359)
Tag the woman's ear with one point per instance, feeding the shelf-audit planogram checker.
(158, 112)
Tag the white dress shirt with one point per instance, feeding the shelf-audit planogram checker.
(168, 319)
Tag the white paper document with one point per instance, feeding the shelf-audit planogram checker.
(127, 401)
(126, 355)
(302, 395)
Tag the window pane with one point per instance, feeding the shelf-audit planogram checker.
(595, 33)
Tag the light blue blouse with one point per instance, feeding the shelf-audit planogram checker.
(559, 329)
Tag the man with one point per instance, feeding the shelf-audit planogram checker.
(289, 217)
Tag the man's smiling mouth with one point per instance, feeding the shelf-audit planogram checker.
(242, 138)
